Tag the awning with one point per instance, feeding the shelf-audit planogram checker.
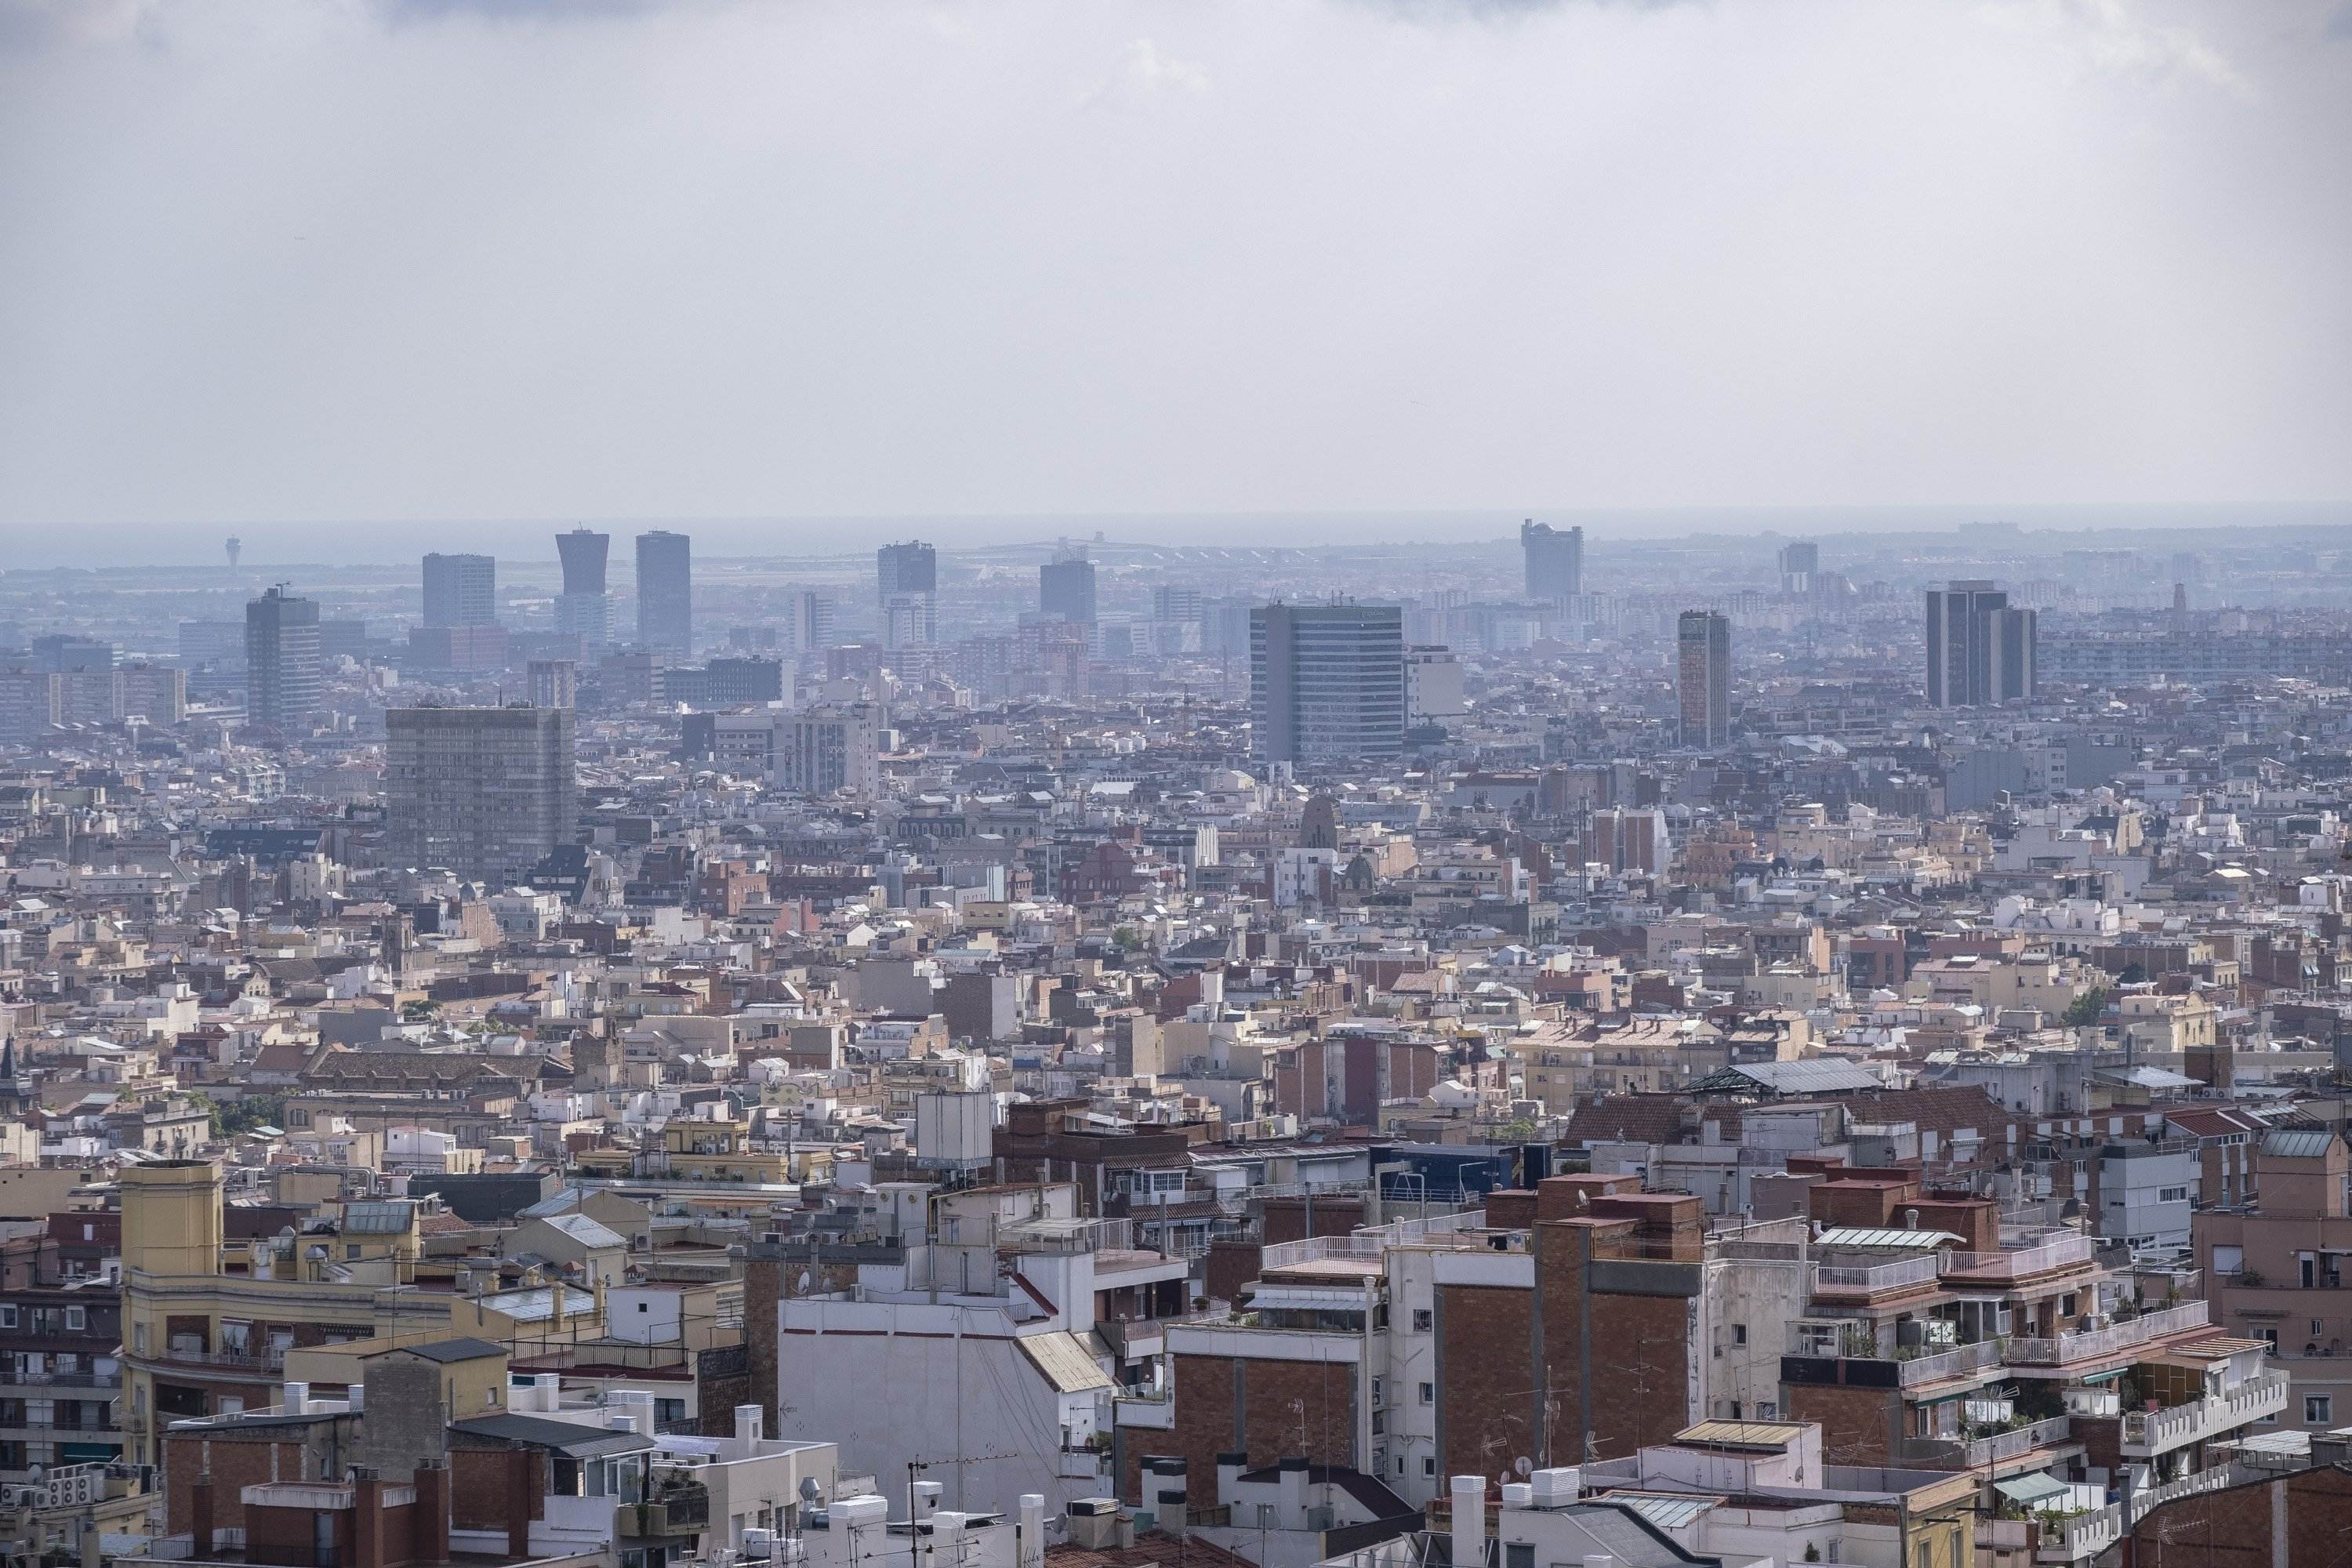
(2031, 1489)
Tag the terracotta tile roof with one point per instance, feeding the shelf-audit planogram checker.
(1152, 1549)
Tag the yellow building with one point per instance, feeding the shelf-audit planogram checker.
(201, 1341)
(473, 1371)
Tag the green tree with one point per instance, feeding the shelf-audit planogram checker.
(2085, 1009)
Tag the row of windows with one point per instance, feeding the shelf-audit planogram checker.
(43, 1319)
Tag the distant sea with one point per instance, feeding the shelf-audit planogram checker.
(387, 541)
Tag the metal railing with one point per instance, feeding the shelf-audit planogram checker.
(1957, 1362)
(1997, 1447)
(1901, 1274)
(61, 1379)
(2015, 1263)
(2065, 1348)
(2081, 1535)
(2188, 1485)
(2180, 1424)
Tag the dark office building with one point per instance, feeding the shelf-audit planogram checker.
(1555, 561)
(284, 668)
(461, 590)
(1703, 677)
(482, 792)
(1980, 652)
(665, 592)
(1066, 590)
(58, 652)
(583, 610)
(909, 568)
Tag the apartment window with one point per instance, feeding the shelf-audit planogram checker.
(2319, 1409)
(7, 1317)
(1428, 1392)
(77, 1319)
(1422, 1320)
(2172, 1195)
(1740, 1333)
(2318, 1327)
(351, 1249)
(1518, 1554)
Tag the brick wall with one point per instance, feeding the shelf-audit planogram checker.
(1859, 1425)
(1487, 1414)
(1271, 1410)
(234, 1465)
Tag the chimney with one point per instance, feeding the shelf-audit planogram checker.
(747, 1428)
(519, 1503)
(201, 1510)
(298, 1398)
(1030, 1550)
(355, 1397)
(926, 1500)
(1292, 1480)
(431, 1513)
(1163, 1491)
(1229, 1478)
(1469, 1522)
(367, 1521)
(947, 1536)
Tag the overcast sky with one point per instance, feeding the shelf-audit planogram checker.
(440, 260)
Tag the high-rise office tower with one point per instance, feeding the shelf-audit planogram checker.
(1176, 603)
(1327, 682)
(284, 676)
(1979, 650)
(1066, 590)
(554, 683)
(907, 584)
(1555, 561)
(483, 792)
(665, 592)
(812, 620)
(1703, 677)
(584, 610)
(1801, 562)
(461, 590)
(909, 568)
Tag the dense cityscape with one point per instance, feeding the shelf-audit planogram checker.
(1567, 1049)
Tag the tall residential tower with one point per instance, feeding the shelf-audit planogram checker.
(665, 592)
(1702, 677)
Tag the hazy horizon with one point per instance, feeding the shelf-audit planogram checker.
(392, 542)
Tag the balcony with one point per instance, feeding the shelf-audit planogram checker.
(1980, 1453)
(2067, 1349)
(2153, 1431)
(234, 1363)
(2188, 1485)
(2048, 1255)
(2079, 1537)
(61, 1380)
(1863, 1362)
(1904, 1274)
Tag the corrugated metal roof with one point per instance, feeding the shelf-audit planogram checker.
(2031, 1489)
(1742, 1433)
(1063, 1361)
(572, 1437)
